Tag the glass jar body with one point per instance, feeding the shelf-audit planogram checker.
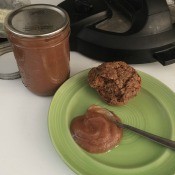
(43, 62)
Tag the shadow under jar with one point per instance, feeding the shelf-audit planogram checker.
(39, 35)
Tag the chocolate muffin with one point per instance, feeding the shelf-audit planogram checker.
(116, 82)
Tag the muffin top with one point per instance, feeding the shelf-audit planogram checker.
(116, 82)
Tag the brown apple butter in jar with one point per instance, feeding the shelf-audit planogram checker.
(39, 35)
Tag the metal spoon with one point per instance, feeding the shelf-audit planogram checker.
(111, 116)
(163, 141)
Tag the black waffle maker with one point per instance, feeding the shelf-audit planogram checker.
(135, 31)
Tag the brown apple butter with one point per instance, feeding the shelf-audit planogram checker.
(94, 131)
(39, 35)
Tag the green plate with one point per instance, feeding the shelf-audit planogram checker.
(152, 110)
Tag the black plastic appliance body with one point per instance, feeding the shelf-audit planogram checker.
(150, 37)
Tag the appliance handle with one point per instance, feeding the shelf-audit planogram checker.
(145, 15)
(165, 57)
(135, 10)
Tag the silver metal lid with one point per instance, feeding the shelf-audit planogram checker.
(37, 20)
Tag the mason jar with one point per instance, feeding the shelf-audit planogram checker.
(39, 36)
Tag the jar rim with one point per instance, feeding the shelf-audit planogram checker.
(19, 22)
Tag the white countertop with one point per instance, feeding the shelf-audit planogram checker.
(25, 145)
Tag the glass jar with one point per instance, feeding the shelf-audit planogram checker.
(39, 35)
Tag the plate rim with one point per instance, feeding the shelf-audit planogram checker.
(60, 89)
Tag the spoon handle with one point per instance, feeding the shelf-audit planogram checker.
(163, 141)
